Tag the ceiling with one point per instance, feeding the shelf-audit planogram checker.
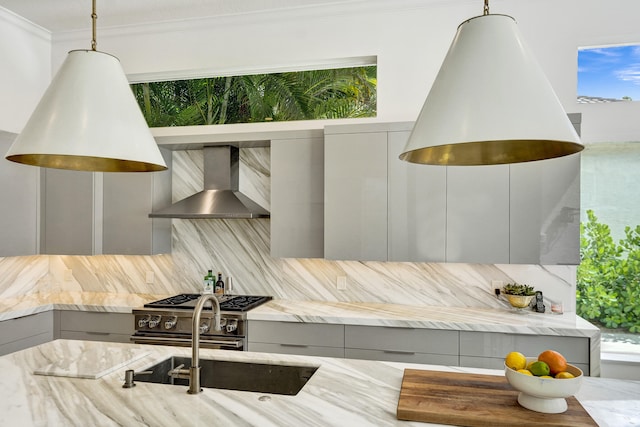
(72, 15)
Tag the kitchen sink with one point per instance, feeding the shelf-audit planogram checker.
(244, 376)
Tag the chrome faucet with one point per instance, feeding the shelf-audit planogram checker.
(194, 370)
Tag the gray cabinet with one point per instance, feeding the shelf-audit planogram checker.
(488, 349)
(409, 345)
(297, 198)
(519, 214)
(355, 204)
(128, 198)
(87, 213)
(417, 200)
(478, 214)
(24, 332)
(94, 326)
(545, 211)
(67, 212)
(18, 204)
(310, 339)
(432, 346)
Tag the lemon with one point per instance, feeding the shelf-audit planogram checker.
(515, 360)
(530, 363)
(564, 375)
(539, 369)
(525, 371)
(546, 376)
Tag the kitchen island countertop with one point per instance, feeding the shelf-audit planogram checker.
(342, 392)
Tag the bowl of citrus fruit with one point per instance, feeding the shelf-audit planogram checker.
(544, 381)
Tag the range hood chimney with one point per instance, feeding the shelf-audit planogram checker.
(220, 197)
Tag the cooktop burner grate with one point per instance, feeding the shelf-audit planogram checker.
(227, 302)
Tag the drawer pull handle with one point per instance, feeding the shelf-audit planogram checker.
(97, 333)
(408, 353)
(294, 345)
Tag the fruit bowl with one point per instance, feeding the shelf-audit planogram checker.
(545, 395)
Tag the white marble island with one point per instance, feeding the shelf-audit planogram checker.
(341, 393)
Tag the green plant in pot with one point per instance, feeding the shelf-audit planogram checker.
(518, 295)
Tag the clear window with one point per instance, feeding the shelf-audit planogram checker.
(608, 284)
(301, 95)
(609, 74)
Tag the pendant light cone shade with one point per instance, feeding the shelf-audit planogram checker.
(490, 103)
(88, 120)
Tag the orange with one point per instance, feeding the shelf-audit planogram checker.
(557, 363)
(564, 375)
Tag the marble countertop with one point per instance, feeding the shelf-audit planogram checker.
(453, 318)
(11, 308)
(348, 313)
(342, 392)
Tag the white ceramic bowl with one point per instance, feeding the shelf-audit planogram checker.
(544, 394)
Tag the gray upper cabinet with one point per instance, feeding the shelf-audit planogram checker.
(87, 213)
(379, 208)
(478, 214)
(355, 196)
(417, 200)
(127, 200)
(297, 198)
(67, 211)
(545, 211)
(18, 206)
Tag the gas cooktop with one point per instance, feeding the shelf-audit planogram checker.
(227, 302)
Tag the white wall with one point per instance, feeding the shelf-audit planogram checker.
(409, 38)
(25, 69)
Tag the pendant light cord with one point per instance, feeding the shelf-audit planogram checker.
(486, 7)
(94, 17)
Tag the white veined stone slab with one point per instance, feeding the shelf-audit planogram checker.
(94, 362)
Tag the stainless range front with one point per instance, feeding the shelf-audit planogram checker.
(169, 322)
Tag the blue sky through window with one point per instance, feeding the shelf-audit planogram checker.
(609, 72)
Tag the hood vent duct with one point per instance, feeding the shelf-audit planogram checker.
(221, 197)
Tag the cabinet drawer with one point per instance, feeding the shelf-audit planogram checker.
(431, 341)
(399, 356)
(97, 322)
(311, 334)
(27, 342)
(22, 327)
(497, 345)
(306, 350)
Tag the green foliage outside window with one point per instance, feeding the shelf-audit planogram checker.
(304, 95)
(608, 283)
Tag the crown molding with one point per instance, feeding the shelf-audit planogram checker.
(7, 16)
(355, 8)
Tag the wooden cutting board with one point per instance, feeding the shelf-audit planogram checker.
(475, 400)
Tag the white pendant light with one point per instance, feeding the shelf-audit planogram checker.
(490, 103)
(88, 120)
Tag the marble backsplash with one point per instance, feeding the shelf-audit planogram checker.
(240, 249)
(254, 272)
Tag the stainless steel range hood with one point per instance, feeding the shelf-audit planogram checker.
(220, 197)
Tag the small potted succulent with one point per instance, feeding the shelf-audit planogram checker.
(518, 295)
